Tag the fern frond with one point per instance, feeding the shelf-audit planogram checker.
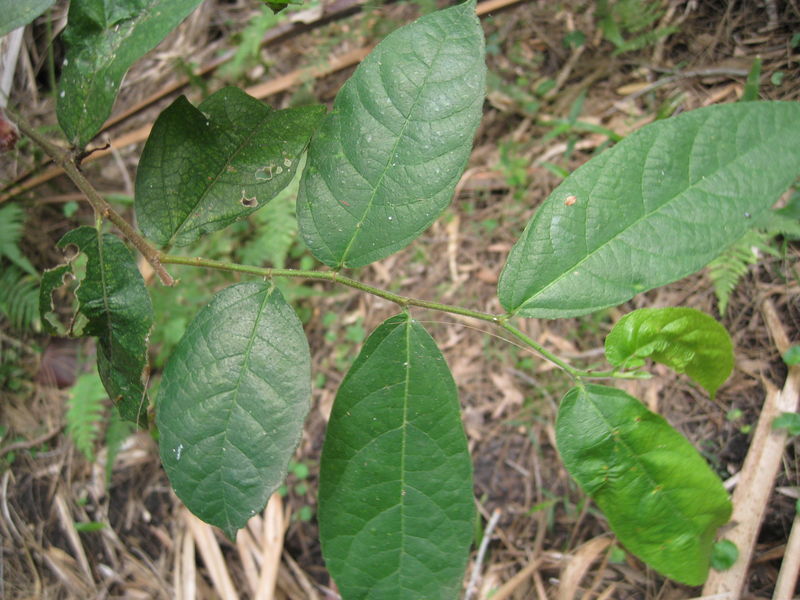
(12, 220)
(19, 299)
(776, 223)
(85, 412)
(728, 268)
(117, 432)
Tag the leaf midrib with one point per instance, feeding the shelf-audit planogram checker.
(234, 399)
(229, 160)
(357, 229)
(404, 445)
(635, 456)
(569, 270)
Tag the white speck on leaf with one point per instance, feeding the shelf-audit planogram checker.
(178, 451)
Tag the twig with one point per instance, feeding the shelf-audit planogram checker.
(790, 566)
(758, 472)
(102, 208)
(476, 570)
(26, 444)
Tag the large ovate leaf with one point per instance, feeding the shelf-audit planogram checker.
(203, 168)
(232, 402)
(113, 305)
(395, 498)
(661, 498)
(686, 340)
(385, 162)
(104, 38)
(17, 13)
(656, 207)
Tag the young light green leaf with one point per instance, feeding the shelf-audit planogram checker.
(723, 555)
(18, 13)
(789, 421)
(792, 356)
(656, 207)
(114, 306)
(661, 498)
(395, 497)
(103, 40)
(385, 162)
(686, 340)
(203, 168)
(232, 403)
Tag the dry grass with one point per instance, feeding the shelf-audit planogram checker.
(548, 542)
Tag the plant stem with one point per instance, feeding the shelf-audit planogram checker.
(403, 301)
(331, 276)
(158, 259)
(101, 207)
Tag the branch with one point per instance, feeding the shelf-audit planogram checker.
(102, 208)
(403, 301)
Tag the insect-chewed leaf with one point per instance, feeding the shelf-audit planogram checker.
(661, 498)
(103, 40)
(395, 497)
(656, 207)
(686, 340)
(232, 402)
(203, 168)
(114, 306)
(384, 164)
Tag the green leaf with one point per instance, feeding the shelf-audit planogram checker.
(203, 168)
(103, 40)
(792, 356)
(788, 421)
(85, 412)
(396, 508)
(18, 13)
(114, 306)
(385, 162)
(656, 207)
(686, 340)
(662, 500)
(723, 555)
(232, 402)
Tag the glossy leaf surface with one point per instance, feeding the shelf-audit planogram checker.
(113, 305)
(103, 40)
(654, 208)
(395, 500)
(203, 168)
(662, 500)
(17, 13)
(385, 162)
(686, 340)
(232, 402)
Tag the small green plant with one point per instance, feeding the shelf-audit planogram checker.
(629, 24)
(396, 507)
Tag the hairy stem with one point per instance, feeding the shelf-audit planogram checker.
(101, 207)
